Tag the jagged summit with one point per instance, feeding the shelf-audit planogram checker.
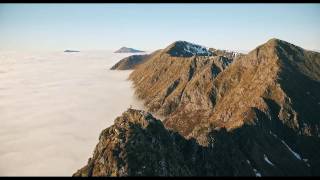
(187, 49)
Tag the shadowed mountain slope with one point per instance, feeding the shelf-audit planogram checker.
(132, 61)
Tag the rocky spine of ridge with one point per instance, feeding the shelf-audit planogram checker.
(228, 54)
(139, 145)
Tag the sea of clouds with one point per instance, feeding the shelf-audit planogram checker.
(53, 106)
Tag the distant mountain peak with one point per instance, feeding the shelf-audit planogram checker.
(68, 50)
(187, 49)
(127, 50)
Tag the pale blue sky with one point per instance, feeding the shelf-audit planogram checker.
(153, 26)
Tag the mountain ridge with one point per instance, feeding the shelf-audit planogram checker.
(259, 109)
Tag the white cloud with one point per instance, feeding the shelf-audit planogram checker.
(53, 107)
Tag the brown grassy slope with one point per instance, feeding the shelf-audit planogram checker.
(271, 71)
(275, 88)
(187, 90)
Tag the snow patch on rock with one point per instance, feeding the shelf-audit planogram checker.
(257, 173)
(267, 160)
(294, 153)
(187, 49)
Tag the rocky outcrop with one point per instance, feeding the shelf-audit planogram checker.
(139, 145)
(127, 50)
(228, 54)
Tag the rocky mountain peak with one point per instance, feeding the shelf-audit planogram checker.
(280, 46)
(187, 49)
